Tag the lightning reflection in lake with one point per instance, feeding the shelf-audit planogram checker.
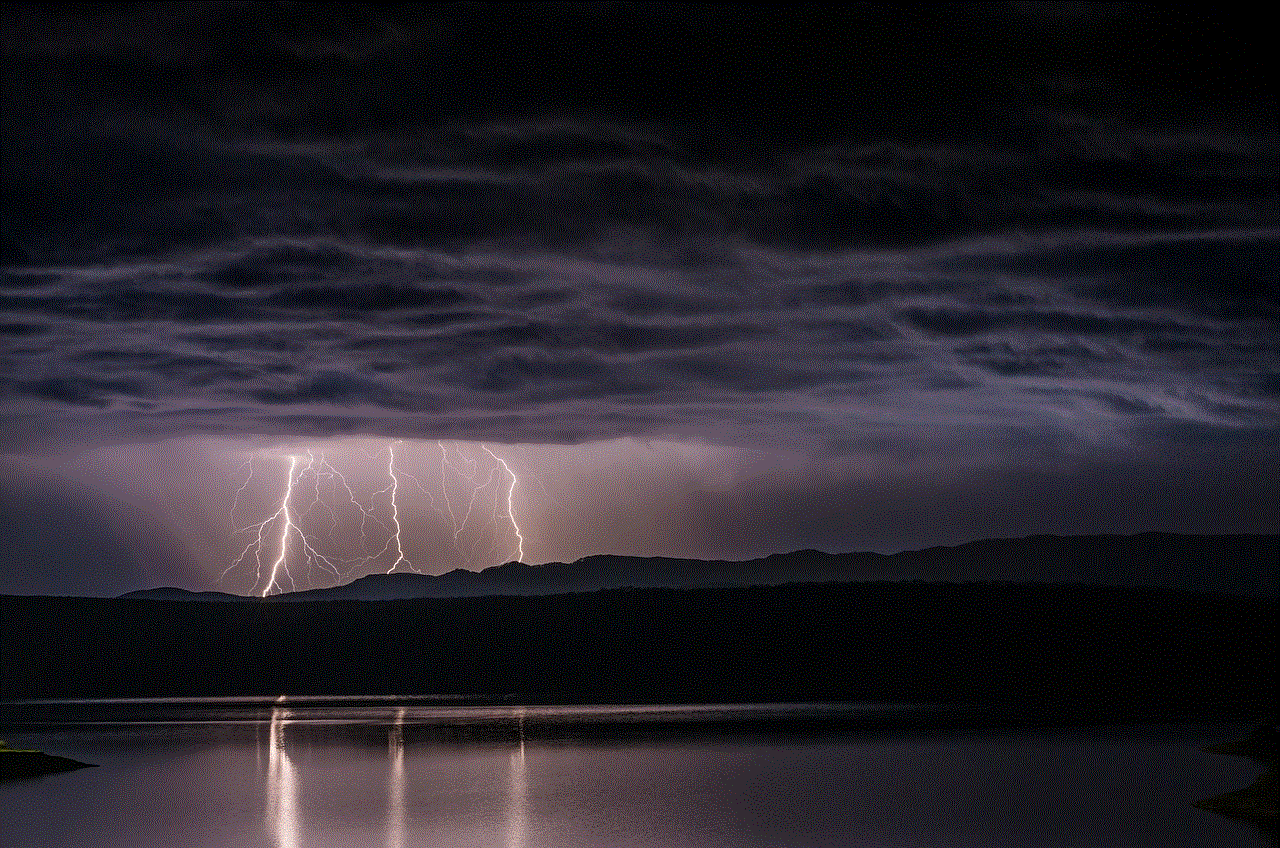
(282, 786)
(395, 782)
(518, 792)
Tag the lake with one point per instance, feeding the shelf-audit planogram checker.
(394, 773)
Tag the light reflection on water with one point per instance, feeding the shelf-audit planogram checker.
(282, 786)
(283, 815)
(299, 773)
(517, 792)
(395, 782)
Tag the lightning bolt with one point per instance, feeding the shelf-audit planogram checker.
(465, 470)
(511, 512)
(444, 463)
(287, 525)
(283, 517)
(236, 500)
(395, 507)
(475, 491)
(256, 545)
(318, 474)
(280, 544)
(423, 489)
(393, 489)
(366, 513)
(468, 477)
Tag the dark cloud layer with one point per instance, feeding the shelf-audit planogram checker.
(880, 229)
(422, 342)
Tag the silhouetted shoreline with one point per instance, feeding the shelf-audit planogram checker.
(19, 764)
(1050, 649)
(1255, 803)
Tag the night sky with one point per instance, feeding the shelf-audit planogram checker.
(714, 281)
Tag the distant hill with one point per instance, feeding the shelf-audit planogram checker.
(169, 593)
(1243, 564)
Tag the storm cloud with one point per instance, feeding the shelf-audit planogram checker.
(419, 342)
(1004, 231)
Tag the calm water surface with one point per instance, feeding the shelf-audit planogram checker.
(392, 773)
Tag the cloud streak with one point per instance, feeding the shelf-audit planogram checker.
(399, 341)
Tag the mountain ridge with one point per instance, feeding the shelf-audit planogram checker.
(1236, 564)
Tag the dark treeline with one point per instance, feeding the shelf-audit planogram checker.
(1062, 647)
